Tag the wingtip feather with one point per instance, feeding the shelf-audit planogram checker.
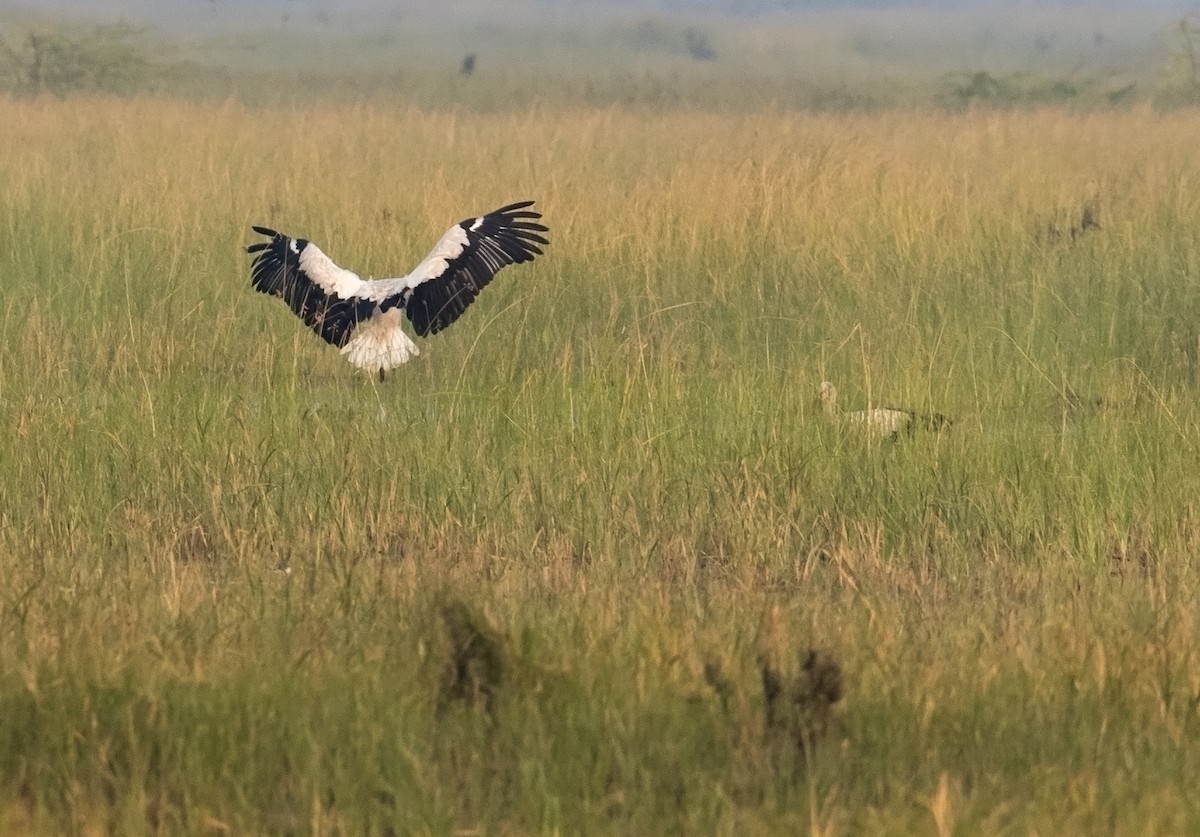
(512, 207)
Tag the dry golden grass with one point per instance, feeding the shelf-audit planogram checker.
(228, 560)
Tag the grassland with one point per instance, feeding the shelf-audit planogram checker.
(531, 584)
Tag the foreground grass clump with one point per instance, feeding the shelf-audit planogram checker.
(595, 560)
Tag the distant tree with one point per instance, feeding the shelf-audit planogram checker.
(50, 59)
(1189, 53)
(698, 46)
(1181, 82)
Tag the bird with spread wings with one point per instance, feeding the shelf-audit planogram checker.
(362, 317)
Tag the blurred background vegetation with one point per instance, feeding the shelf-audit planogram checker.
(693, 54)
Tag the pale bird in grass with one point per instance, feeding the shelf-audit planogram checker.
(362, 317)
(883, 421)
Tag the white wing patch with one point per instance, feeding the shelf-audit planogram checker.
(432, 266)
(326, 275)
(450, 247)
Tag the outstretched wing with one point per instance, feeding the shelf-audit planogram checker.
(319, 292)
(466, 258)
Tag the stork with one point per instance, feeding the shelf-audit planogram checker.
(362, 317)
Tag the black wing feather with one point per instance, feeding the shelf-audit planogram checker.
(276, 271)
(509, 235)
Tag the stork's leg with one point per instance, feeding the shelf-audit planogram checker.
(381, 374)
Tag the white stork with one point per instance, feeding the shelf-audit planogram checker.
(362, 316)
(884, 421)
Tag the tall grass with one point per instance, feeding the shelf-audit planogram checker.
(536, 581)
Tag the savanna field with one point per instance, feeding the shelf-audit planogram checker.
(596, 561)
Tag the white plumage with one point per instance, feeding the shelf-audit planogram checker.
(362, 316)
(882, 421)
(380, 343)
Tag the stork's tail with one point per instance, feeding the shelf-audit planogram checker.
(380, 344)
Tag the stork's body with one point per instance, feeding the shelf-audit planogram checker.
(362, 317)
(891, 422)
